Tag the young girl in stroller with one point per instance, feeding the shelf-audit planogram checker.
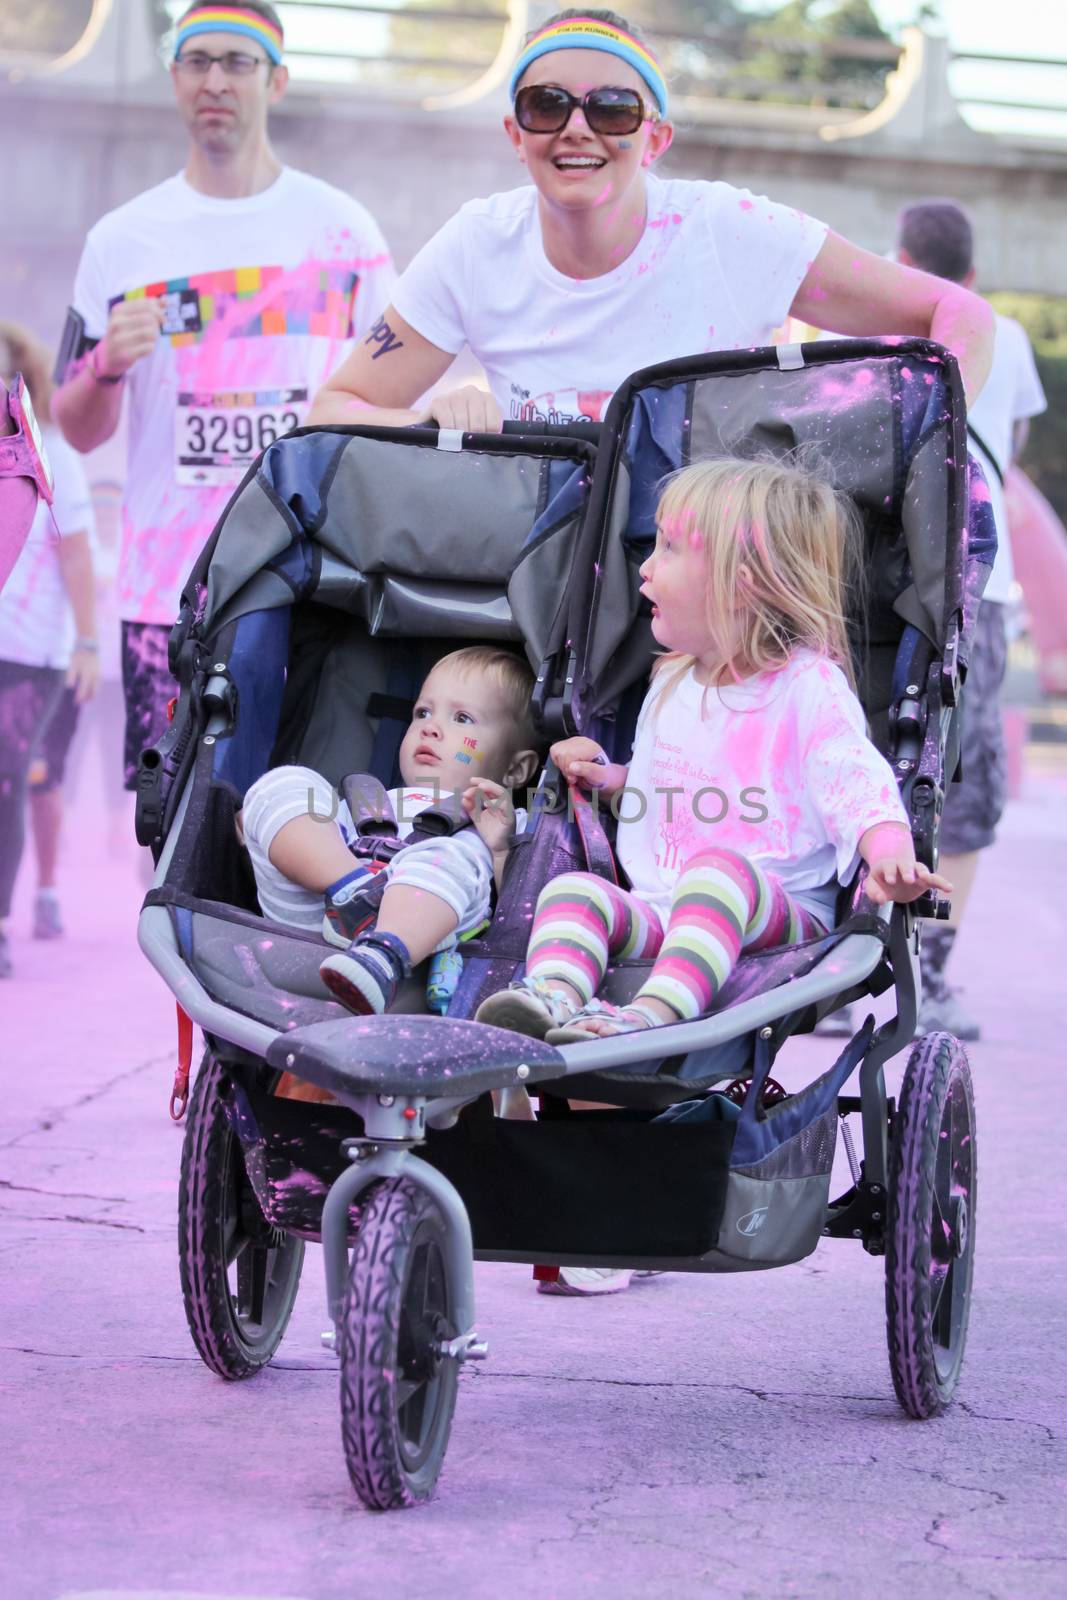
(752, 790)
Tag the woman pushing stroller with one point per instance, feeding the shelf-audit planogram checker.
(755, 788)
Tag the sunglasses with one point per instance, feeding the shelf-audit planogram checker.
(546, 108)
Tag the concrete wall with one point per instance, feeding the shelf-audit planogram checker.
(81, 154)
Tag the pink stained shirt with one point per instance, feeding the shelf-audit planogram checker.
(778, 767)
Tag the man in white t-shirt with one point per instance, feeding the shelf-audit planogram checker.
(220, 300)
(936, 236)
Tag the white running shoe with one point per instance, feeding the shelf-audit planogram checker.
(588, 1280)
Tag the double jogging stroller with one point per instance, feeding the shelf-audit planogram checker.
(348, 562)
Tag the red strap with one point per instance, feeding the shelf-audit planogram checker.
(171, 706)
(546, 1274)
(179, 1094)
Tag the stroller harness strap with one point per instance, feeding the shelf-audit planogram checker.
(596, 846)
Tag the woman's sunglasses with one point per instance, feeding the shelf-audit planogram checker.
(546, 108)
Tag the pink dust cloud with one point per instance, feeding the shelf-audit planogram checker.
(747, 205)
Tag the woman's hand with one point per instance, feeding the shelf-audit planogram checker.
(489, 807)
(894, 872)
(470, 409)
(581, 761)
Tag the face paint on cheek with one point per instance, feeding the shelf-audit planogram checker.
(626, 144)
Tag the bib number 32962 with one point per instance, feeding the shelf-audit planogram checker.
(218, 436)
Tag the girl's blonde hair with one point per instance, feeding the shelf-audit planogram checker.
(21, 352)
(781, 547)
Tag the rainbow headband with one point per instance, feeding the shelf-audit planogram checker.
(231, 19)
(584, 33)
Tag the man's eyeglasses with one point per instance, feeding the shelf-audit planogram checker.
(546, 108)
(235, 63)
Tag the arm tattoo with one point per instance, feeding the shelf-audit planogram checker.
(383, 336)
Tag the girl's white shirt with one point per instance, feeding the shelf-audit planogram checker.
(778, 767)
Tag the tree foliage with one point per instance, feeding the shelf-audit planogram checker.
(43, 27)
(1045, 457)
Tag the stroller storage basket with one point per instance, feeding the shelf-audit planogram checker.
(710, 1187)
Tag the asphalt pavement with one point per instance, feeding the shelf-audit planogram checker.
(695, 1436)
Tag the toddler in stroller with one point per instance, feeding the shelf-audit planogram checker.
(746, 584)
(472, 708)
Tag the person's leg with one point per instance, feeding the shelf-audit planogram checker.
(46, 813)
(969, 820)
(580, 922)
(27, 697)
(437, 888)
(148, 689)
(722, 904)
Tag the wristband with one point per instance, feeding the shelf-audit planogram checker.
(92, 646)
(94, 370)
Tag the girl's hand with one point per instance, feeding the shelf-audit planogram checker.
(900, 877)
(489, 807)
(581, 760)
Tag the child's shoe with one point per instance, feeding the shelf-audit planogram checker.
(528, 1006)
(587, 1280)
(47, 922)
(347, 912)
(6, 967)
(367, 976)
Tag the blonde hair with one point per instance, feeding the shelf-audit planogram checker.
(781, 547)
(21, 352)
(513, 678)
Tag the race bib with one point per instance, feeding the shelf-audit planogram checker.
(218, 436)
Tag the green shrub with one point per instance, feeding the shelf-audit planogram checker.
(1045, 457)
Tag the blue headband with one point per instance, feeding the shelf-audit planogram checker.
(584, 33)
(231, 19)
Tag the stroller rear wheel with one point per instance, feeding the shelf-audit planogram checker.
(239, 1275)
(930, 1243)
(398, 1391)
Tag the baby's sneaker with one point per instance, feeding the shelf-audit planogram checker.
(366, 976)
(347, 912)
(587, 1280)
(528, 1006)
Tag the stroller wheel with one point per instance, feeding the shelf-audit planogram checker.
(239, 1275)
(398, 1391)
(930, 1241)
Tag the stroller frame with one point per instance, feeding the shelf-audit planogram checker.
(401, 1104)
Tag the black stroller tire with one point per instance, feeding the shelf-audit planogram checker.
(398, 1393)
(930, 1241)
(236, 1328)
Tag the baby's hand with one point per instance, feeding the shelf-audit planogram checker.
(581, 760)
(489, 807)
(898, 876)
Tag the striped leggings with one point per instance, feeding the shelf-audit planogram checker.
(722, 904)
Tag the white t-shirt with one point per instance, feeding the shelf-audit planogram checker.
(263, 297)
(36, 622)
(717, 268)
(778, 767)
(1012, 392)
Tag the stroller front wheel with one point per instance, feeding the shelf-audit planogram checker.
(930, 1240)
(398, 1390)
(239, 1275)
